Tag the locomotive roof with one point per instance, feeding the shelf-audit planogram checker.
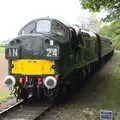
(94, 34)
(67, 24)
(63, 23)
(50, 19)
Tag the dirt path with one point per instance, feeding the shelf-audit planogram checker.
(102, 92)
(3, 73)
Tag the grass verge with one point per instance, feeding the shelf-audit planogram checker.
(4, 94)
(2, 49)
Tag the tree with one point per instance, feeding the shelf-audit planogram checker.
(89, 23)
(112, 6)
(94, 24)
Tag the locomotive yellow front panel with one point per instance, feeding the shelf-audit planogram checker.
(28, 66)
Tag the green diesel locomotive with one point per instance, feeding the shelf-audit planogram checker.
(46, 52)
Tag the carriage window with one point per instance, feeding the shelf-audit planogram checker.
(30, 28)
(58, 29)
(43, 26)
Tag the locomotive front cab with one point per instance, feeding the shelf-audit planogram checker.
(34, 58)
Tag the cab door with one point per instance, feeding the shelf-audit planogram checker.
(73, 44)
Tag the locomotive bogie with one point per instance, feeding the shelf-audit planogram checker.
(33, 85)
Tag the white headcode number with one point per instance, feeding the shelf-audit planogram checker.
(51, 52)
(13, 52)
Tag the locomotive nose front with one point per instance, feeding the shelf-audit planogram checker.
(33, 63)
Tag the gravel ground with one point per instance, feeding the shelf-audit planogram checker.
(86, 104)
(25, 111)
(7, 103)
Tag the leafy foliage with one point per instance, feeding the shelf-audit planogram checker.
(112, 6)
(94, 24)
(90, 22)
(112, 30)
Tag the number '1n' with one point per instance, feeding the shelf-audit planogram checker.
(13, 52)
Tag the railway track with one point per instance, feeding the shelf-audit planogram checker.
(4, 111)
(25, 111)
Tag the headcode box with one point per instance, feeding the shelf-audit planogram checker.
(106, 115)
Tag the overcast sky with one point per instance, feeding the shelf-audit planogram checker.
(14, 14)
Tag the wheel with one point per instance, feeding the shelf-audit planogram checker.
(24, 94)
(38, 92)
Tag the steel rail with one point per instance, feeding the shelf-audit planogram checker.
(4, 111)
(11, 107)
(28, 110)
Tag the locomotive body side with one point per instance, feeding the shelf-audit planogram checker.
(87, 47)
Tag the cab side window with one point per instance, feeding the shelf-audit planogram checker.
(29, 29)
(58, 29)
